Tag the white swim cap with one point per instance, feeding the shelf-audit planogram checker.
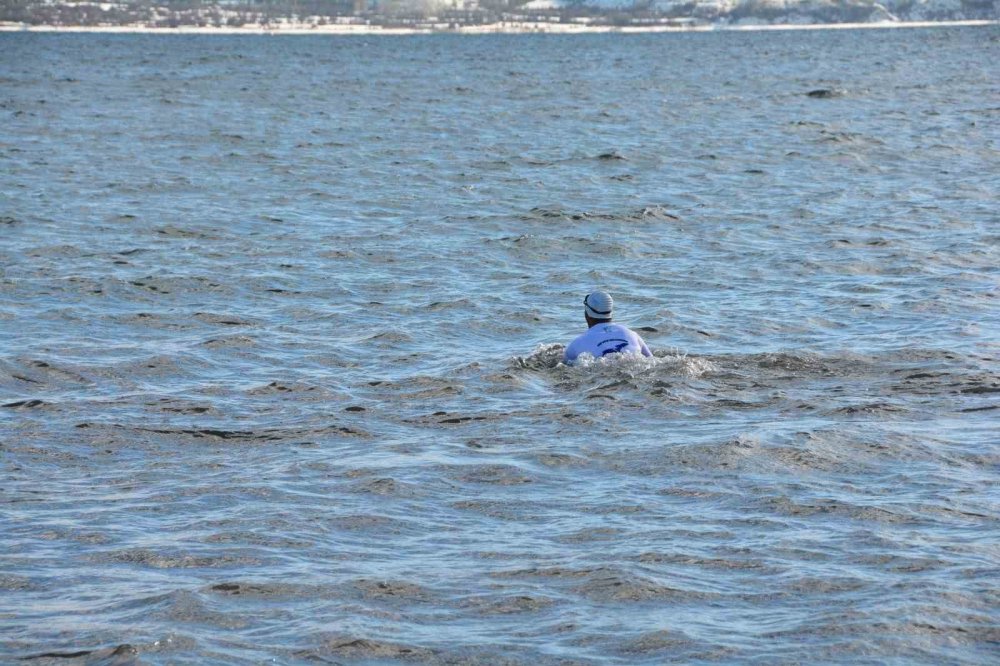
(598, 305)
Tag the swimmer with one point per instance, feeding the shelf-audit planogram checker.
(603, 337)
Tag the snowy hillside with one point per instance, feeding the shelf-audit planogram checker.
(796, 11)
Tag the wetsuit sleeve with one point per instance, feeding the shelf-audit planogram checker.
(569, 354)
(643, 347)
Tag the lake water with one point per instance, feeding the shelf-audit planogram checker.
(281, 320)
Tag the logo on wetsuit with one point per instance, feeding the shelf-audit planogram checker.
(621, 344)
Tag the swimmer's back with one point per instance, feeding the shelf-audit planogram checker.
(603, 339)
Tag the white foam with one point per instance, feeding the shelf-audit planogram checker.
(634, 365)
(543, 356)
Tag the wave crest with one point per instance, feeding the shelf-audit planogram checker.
(673, 362)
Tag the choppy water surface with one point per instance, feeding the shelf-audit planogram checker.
(281, 321)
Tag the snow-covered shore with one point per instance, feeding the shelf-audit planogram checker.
(507, 27)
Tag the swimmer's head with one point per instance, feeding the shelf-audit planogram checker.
(597, 307)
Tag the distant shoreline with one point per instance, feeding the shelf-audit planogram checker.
(507, 27)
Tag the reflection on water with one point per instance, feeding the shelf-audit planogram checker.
(282, 322)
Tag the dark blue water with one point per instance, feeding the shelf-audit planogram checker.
(281, 320)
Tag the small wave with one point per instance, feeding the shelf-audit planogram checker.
(268, 590)
(123, 653)
(173, 559)
(127, 433)
(491, 604)
(654, 212)
(545, 356)
(634, 365)
(353, 648)
(549, 357)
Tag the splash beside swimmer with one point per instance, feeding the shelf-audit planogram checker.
(603, 337)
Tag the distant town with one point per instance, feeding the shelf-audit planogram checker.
(466, 15)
